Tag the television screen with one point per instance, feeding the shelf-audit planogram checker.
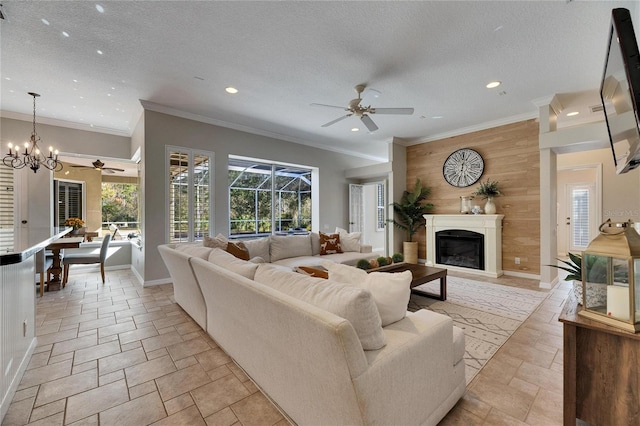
(620, 92)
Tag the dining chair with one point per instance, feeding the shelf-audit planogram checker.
(73, 257)
(43, 263)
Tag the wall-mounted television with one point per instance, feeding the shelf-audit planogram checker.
(620, 92)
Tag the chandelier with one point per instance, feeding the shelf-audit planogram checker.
(31, 156)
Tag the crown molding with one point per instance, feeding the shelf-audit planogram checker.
(152, 106)
(62, 123)
(470, 129)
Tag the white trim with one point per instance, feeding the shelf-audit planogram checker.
(152, 106)
(475, 128)
(522, 275)
(67, 124)
(157, 282)
(137, 275)
(550, 285)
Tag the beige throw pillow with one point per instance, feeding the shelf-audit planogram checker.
(231, 263)
(284, 247)
(350, 241)
(219, 241)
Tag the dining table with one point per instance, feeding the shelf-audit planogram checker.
(56, 268)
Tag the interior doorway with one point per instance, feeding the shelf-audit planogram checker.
(367, 213)
(579, 207)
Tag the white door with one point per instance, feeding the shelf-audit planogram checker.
(356, 207)
(581, 215)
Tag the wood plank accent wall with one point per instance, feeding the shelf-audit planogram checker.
(511, 157)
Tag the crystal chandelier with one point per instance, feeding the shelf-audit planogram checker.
(31, 156)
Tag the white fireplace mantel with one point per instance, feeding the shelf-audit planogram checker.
(489, 225)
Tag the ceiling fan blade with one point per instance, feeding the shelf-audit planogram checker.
(108, 170)
(404, 111)
(77, 165)
(329, 106)
(369, 123)
(336, 120)
(112, 169)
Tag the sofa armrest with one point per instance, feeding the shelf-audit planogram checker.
(366, 248)
(415, 369)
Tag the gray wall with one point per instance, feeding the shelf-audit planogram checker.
(162, 129)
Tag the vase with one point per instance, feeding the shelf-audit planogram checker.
(77, 231)
(490, 207)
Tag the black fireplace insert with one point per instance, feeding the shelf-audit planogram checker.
(458, 247)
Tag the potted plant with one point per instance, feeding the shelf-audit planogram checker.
(597, 281)
(76, 223)
(488, 190)
(409, 213)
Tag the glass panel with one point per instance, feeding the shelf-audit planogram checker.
(595, 276)
(261, 194)
(580, 217)
(618, 293)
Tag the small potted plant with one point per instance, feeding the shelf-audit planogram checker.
(488, 190)
(409, 217)
(597, 289)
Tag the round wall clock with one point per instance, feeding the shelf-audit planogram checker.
(463, 168)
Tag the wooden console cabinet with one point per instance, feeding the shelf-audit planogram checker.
(601, 371)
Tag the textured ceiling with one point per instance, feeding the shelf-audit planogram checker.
(436, 57)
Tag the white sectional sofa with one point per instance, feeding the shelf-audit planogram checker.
(317, 347)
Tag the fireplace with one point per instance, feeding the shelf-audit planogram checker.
(458, 247)
(481, 239)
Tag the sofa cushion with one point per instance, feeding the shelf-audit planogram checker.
(315, 243)
(349, 302)
(238, 249)
(283, 247)
(219, 241)
(330, 244)
(258, 247)
(350, 241)
(230, 262)
(194, 249)
(391, 291)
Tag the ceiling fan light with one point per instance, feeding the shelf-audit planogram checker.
(493, 84)
(355, 129)
(231, 90)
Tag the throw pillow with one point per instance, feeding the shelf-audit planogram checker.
(238, 249)
(350, 241)
(330, 243)
(353, 304)
(286, 246)
(315, 244)
(220, 241)
(391, 291)
(258, 247)
(314, 272)
(231, 263)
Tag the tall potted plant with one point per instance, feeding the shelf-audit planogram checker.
(409, 213)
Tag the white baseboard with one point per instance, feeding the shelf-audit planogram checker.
(157, 282)
(522, 275)
(550, 285)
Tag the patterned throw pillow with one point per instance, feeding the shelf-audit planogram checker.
(239, 250)
(330, 243)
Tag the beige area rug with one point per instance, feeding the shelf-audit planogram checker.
(488, 313)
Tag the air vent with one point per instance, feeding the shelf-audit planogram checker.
(596, 108)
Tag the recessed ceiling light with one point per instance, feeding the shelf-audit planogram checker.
(44, 21)
(99, 52)
(99, 8)
(572, 113)
(75, 80)
(493, 84)
(7, 78)
(231, 90)
(66, 34)
(355, 129)
(498, 28)
(437, 117)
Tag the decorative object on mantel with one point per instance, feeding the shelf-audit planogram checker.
(409, 213)
(611, 262)
(465, 204)
(488, 190)
(476, 209)
(32, 157)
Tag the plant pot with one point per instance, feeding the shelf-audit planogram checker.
(410, 249)
(78, 231)
(596, 293)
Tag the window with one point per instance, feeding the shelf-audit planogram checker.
(69, 197)
(267, 198)
(380, 209)
(6, 207)
(120, 206)
(190, 193)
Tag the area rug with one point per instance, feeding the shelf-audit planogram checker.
(488, 313)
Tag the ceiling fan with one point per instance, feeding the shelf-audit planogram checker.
(99, 165)
(362, 111)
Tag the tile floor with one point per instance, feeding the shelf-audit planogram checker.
(127, 355)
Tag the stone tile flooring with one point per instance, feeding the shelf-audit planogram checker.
(123, 354)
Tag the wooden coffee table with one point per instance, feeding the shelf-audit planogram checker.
(421, 275)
